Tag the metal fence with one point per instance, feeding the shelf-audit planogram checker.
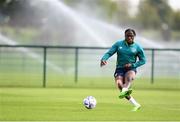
(57, 65)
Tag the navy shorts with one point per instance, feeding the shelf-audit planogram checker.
(122, 71)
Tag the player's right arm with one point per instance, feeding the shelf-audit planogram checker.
(108, 54)
(103, 63)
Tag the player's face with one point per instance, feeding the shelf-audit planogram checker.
(129, 37)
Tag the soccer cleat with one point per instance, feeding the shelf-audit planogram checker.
(136, 108)
(125, 93)
(129, 92)
(122, 94)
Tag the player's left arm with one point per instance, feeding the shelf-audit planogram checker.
(142, 58)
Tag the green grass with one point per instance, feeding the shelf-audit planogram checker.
(65, 104)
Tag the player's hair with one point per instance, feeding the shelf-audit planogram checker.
(130, 30)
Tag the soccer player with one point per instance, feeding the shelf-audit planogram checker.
(127, 51)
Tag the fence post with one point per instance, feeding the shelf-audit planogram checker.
(76, 64)
(152, 66)
(44, 66)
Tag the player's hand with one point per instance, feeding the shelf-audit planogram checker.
(103, 63)
(127, 66)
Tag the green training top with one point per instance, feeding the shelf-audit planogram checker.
(126, 54)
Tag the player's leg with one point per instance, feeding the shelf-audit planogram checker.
(119, 79)
(119, 82)
(136, 105)
(129, 77)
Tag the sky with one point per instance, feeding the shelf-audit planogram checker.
(175, 4)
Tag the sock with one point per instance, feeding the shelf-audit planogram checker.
(124, 89)
(133, 101)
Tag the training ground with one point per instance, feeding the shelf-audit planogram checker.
(65, 104)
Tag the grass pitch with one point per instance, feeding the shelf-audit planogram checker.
(65, 104)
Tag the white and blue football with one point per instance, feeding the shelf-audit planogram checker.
(90, 102)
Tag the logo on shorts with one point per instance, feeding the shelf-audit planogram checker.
(118, 74)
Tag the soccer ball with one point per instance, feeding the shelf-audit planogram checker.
(90, 102)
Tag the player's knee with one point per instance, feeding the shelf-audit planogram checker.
(129, 79)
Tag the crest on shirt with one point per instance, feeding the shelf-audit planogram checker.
(133, 50)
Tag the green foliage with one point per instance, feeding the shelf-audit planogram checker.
(152, 13)
(176, 21)
(176, 35)
(150, 20)
(23, 35)
(107, 9)
(121, 14)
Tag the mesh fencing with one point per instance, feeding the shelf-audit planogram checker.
(75, 66)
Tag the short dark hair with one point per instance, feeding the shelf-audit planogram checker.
(129, 29)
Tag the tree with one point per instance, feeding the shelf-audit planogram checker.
(120, 13)
(176, 20)
(20, 13)
(147, 16)
(154, 12)
(110, 10)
